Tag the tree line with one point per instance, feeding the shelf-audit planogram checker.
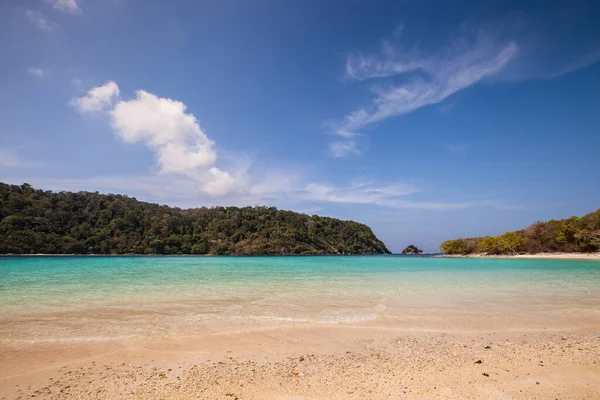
(37, 221)
(571, 235)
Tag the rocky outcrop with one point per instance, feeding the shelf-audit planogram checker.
(412, 249)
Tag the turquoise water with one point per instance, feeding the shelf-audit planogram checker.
(194, 293)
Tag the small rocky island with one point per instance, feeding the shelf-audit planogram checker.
(412, 249)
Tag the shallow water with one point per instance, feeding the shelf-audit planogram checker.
(88, 298)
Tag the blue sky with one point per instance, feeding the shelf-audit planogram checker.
(426, 120)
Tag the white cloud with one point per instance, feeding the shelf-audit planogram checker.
(425, 80)
(97, 99)
(188, 172)
(40, 21)
(167, 129)
(181, 147)
(37, 72)
(70, 6)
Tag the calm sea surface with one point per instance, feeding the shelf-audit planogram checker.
(44, 298)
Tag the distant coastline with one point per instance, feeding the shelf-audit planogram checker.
(422, 255)
(548, 256)
(555, 256)
(194, 255)
(573, 237)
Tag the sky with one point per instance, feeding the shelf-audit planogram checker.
(426, 120)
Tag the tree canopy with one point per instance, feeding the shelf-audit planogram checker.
(569, 235)
(37, 221)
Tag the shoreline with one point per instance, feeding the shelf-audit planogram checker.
(199, 255)
(549, 256)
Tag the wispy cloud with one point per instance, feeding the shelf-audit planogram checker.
(534, 62)
(10, 157)
(583, 61)
(395, 196)
(310, 198)
(420, 80)
(447, 106)
(342, 148)
(188, 173)
(40, 21)
(358, 193)
(551, 44)
(454, 68)
(69, 6)
(37, 72)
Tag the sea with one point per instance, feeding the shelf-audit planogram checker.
(55, 298)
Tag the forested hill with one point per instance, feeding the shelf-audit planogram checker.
(569, 235)
(37, 221)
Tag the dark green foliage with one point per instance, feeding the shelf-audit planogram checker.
(35, 221)
(566, 235)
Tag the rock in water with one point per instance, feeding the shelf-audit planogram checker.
(412, 249)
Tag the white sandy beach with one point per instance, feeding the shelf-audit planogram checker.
(315, 362)
(556, 256)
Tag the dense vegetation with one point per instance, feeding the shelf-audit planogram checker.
(37, 221)
(566, 235)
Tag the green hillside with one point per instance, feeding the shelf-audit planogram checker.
(571, 235)
(37, 221)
